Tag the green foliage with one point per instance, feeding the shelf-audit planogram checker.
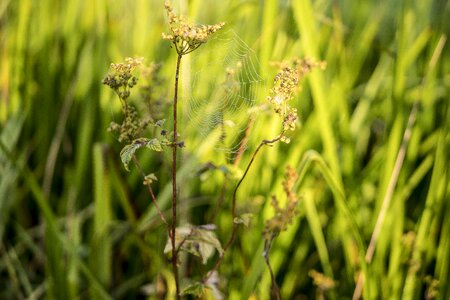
(200, 241)
(127, 152)
(195, 289)
(75, 224)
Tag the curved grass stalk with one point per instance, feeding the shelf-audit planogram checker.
(312, 156)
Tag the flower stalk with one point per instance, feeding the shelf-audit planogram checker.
(186, 37)
(174, 179)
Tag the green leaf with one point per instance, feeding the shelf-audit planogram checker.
(155, 145)
(193, 288)
(127, 154)
(207, 242)
(200, 241)
(243, 219)
(128, 151)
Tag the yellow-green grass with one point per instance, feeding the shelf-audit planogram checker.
(74, 223)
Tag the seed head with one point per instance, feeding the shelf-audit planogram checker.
(285, 86)
(185, 35)
(121, 78)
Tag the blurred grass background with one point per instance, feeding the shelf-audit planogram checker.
(74, 224)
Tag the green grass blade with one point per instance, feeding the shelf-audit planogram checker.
(51, 221)
(436, 200)
(313, 157)
(316, 230)
(304, 16)
(101, 248)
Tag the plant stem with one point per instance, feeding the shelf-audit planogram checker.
(150, 190)
(264, 142)
(275, 290)
(174, 180)
(233, 204)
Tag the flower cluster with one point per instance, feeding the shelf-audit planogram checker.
(121, 80)
(286, 84)
(186, 36)
(283, 216)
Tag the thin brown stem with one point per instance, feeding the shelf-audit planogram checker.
(275, 290)
(233, 204)
(263, 143)
(150, 190)
(174, 179)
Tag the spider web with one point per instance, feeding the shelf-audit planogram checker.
(223, 88)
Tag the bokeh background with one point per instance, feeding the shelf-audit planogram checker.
(74, 224)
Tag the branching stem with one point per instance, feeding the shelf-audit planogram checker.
(150, 190)
(233, 204)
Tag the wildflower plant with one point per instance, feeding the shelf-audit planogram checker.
(200, 240)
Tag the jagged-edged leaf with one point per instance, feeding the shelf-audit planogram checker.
(128, 151)
(193, 288)
(154, 144)
(181, 234)
(243, 219)
(200, 241)
(208, 242)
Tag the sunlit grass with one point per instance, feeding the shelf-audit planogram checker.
(74, 224)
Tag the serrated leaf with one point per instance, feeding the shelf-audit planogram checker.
(181, 234)
(155, 145)
(197, 241)
(127, 152)
(194, 288)
(208, 238)
(243, 219)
